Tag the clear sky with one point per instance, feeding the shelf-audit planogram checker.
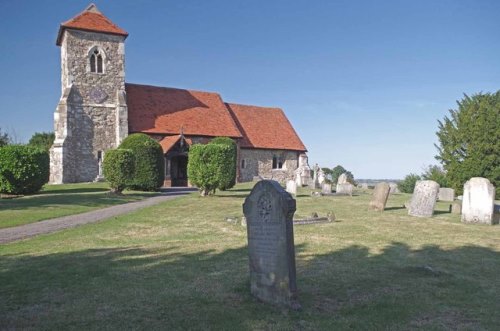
(363, 82)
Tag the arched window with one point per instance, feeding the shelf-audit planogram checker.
(96, 61)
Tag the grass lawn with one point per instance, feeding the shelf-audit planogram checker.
(61, 200)
(179, 265)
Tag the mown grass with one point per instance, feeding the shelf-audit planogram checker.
(61, 200)
(180, 266)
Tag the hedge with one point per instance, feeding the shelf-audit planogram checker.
(228, 178)
(23, 169)
(149, 167)
(118, 168)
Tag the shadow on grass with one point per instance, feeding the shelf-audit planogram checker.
(74, 190)
(164, 288)
(394, 208)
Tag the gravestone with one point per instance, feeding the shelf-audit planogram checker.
(456, 207)
(269, 213)
(424, 198)
(303, 172)
(446, 194)
(346, 188)
(321, 176)
(326, 189)
(380, 196)
(364, 186)
(478, 201)
(342, 179)
(393, 188)
(291, 187)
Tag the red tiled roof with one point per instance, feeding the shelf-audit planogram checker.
(264, 127)
(164, 110)
(91, 19)
(169, 141)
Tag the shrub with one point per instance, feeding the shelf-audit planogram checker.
(42, 140)
(118, 168)
(149, 165)
(228, 176)
(407, 185)
(437, 174)
(23, 169)
(208, 165)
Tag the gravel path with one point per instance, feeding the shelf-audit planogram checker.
(71, 221)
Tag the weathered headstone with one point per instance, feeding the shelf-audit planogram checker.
(446, 194)
(321, 176)
(291, 187)
(380, 196)
(303, 172)
(424, 198)
(346, 188)
(342, 179)
(269, 213)
(393, 188)
(478, 201)
(364, 186)
(326, 188)
(456, 207)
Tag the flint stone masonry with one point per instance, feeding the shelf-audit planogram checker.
(259, 162)
(269, 213)
(326, 189)
(424, 198)
(380, 196)
(345, 188)
(478, 201)
(446, 194)
(291, 187)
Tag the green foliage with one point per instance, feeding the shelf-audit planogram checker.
(469, 141)
(4, 138)
(149, 167)
(228, 179)
(407, 185)
(208, 166)
(42, 140)
(437, 174)
(118, 167)
(336, 172)
(23, 169)
(328, 175)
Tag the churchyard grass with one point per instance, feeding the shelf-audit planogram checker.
(181, 265)
(61, 200)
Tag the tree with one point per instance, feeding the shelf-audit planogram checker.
(4, 138)
(328, 174)
(407, 185)
(469, 141)
(336, 172)
(229, 178)
(118, 168)
(43, 140)
(437, 174)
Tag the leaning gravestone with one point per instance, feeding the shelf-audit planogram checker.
(269, 213)
(424, 198)
(326, 189)
(291, 187)
(446, 194)
(479, 201)
(346, 188)
(380, 196)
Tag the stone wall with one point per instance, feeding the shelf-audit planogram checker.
(91, 116)
(259, 162)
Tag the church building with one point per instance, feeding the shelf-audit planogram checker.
(98, 109)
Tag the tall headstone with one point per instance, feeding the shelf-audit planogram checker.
(269, 213)
(326, 188)
(291, 187)
(346, 188)
(478, 201)
(446, 194)
(424, 198)
(380, 196)
(303, 172)
(342, 179)
(315, 180)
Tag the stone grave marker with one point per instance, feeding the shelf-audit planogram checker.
(346, 188)
(446, 194)
(342, 179)
(478, 201)
(424, 198)
(269, 213)
(291, 187)
(380, 196)
(326, 189)
(393, 188)
(456, 207)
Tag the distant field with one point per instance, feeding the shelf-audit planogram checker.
(180, 266)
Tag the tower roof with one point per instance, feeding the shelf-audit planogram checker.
(91, 19)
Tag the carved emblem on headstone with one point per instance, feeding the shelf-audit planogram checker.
(97, 95)
(265, 207)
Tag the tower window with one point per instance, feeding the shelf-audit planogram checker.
(96, 62)
(243, 164)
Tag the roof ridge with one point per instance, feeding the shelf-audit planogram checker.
(254, 106)
(174, 88)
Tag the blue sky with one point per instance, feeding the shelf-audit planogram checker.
(363, 82)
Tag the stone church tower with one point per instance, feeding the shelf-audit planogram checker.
(91, 116)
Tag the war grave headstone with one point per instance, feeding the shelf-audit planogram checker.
(269, 213)
(380, 196)
(446, 194)
(424, 198)
(478, 202)
(291, 187)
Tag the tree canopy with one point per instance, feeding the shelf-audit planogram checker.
(4, 138)
(43, 140)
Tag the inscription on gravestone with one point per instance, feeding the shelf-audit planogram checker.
(269, 213)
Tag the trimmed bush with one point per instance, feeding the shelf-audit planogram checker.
(118, 167)
(23, 169)
(208, 166)
(228, 176)
(149, 167)
(407, 185)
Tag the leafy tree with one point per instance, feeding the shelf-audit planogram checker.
(336, 172)
(149, 166)
(437, 174)
(407, 185)
(328, 174)
(4, 138)
(469, 141)
(43, 140)
(229, 178)
(118, 167)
